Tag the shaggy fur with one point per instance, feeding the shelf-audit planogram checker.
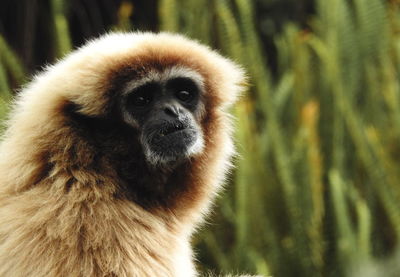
(76, 195)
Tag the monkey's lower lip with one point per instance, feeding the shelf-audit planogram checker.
(174, 134)
(175, 141)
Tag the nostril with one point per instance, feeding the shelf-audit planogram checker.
(171, 111)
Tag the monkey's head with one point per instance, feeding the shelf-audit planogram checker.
(165, 88)
(147, 109)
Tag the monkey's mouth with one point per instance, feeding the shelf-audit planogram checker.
(170, 129)
(172, 142)
(176, 137)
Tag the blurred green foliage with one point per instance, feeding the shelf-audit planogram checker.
(10, 70)
(316, 190)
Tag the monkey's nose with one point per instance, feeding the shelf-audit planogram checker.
(172, 111)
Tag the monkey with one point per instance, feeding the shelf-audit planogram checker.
(113, 156)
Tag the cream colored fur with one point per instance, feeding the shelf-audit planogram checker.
(60, 218)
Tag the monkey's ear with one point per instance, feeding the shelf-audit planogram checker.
(75, 113)
(72, 109)
(78, 118)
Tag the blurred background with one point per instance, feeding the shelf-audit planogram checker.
(316, 189)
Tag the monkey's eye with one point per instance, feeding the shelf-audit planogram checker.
(184, 96)
(141, 99)
(142, 96)
(185, 89)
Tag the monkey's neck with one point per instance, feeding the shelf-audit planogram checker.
(153, 188)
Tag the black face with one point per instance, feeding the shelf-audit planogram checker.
(166, 115)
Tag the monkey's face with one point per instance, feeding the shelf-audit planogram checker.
(166, 107)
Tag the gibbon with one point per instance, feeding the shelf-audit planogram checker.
(113, 156)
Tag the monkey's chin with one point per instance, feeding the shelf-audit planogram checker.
(172, 149)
